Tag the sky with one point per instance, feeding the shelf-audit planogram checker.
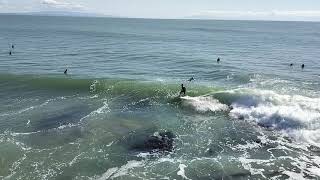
(301, 10)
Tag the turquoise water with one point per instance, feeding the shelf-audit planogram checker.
(251, 116)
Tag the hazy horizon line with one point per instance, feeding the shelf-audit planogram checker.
(101, 15)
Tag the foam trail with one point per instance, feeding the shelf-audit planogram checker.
(122, 171)
(204, 104)
(181, 172)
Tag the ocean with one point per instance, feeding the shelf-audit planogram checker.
(117, 113)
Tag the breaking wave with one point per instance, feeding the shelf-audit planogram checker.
(295, 115)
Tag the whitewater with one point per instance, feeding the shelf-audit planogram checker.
(117, 114)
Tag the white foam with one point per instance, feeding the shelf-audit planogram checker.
(304, 135)
(204, 104)
(102, 110)
(247, 164)
(246, 146)
(31, 107)
(315, 170)
(122, 171)
(70, 125)
(18, 112)
(108, 174)
(144, 154)
(105, 108)
(93, 86)
(295, 115)
(74, 160)
(21, 134)
(293, 175)
(110, 144)
(181, 172)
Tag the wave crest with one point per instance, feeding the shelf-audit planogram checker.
(295, 115)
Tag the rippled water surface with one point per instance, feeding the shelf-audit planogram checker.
(251, 116)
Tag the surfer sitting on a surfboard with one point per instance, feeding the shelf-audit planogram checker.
(183, 90)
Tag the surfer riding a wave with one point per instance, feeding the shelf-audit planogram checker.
(183, 90)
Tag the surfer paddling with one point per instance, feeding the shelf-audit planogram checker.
(183, 90)
(191, 79)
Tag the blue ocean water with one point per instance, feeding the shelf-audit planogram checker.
(251, 116)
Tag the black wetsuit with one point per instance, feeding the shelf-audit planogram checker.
(191, 79)
(183, 90)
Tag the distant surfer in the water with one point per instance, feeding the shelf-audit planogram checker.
(183, 90)
(11, 49)
(191, 79)
(291, 64)
(66, 72)
(302, 66)
(218, 60)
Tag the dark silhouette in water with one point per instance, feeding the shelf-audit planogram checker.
(218, 60)
(302, 66)
(291, 64)
(163, 142)
(11, 49)
(66, 71)
(191, 79)
(183, 90)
